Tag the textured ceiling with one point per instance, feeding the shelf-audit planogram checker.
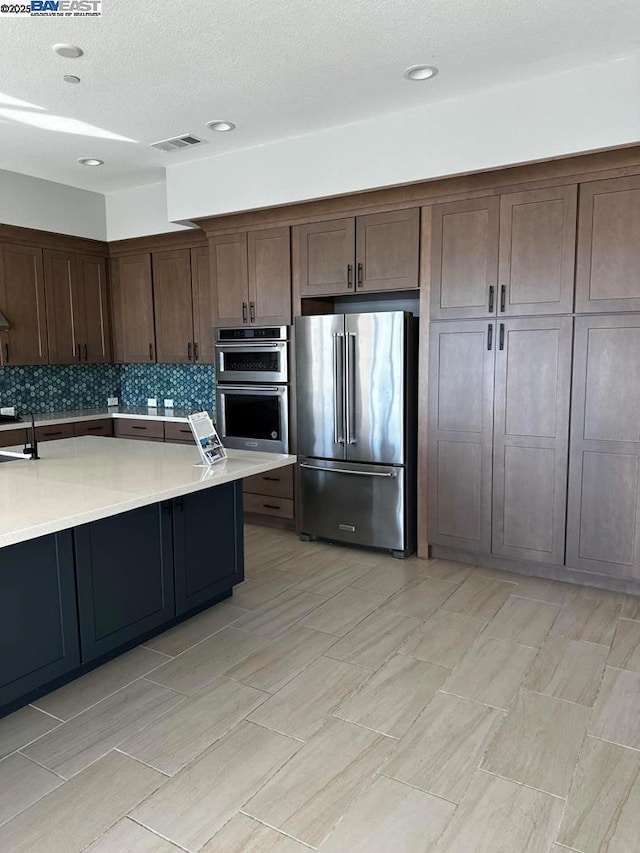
(276, 68)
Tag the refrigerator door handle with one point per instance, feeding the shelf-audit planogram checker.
(387, 474)
(350, 382)
(338, 401)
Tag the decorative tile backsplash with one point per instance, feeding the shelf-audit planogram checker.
(54, 388)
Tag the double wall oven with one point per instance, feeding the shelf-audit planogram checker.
(252, 393)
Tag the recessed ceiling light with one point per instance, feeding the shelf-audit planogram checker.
(71, 78)
(221, 126)
(420, 72)
(90, 161)
(69, 51)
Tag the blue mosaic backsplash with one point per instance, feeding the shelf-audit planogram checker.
(55, 388)
(190, 386)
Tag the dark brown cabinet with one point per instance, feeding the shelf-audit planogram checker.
(203, 306)
(498, 435)
(376, 252)
(608, 257)
(77, 308)
(603, 534)
(132, 299)
(22, 301)
(509, 255)
(173, 306)
(251, 277)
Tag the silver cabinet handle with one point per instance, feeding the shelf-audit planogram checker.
(338, 344)
(386, 474)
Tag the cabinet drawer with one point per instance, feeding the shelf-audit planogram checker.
(101, 427)
(178, 432)
(278, 483)
(51, 433)
(281, 507)
(9, 437)
(131, 428)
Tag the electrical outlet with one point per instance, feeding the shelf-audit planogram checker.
(168, 404)
(112, 401)
(8, 410)
(152, 402)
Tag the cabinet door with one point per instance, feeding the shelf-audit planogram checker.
(464, 258)
(203, 306)
(387, 250)
(229, 279)
(603, 530)
(125, 577)
(460, 428)
(269, 267)
(64, 308)
(537, 251)
(134, 334)
(92, 286)
(531, 436)
(608, 257)
(38, 618)
(173, 306)
(327, 257)
(22, 301)
(208, 544)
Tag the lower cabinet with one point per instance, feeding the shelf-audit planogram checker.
(270, 493)
(125, 577)
(38, 615)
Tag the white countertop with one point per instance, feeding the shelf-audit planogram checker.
(69, 417)
(79, 480)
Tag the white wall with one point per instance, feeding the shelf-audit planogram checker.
(48, 206)
(138, 211)
(578, 111)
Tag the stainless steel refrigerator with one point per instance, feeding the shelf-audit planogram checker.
(356, 389)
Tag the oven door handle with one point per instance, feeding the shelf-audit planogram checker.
(256, 389)
(251, 346)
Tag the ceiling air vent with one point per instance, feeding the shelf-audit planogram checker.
(177, 143)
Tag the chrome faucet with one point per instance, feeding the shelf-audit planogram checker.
(30, 450)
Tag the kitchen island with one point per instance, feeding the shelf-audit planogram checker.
(105, 542)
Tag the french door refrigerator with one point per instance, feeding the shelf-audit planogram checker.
(356, 389)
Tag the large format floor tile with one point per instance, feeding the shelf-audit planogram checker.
(375, 639)
(263, 587)
(334, 576)
(422, 599)
(76, 744)
(392, 698)
(387, 579)
(78, 812)
(499, 816)
(23, 726)
(541, 589)
(616, 713)
(177, 640)
(274, 664)
(308, 797)
(199, 665)
(197, 802)
(280, 613)
(243, 834)
(539, 742)
(129, 837)
(447, 570)
(480, 596)
(603, 810)
(568, 669)
(303, 705)
(102, 682)
(22, 783)
(631, 607)
(182, 734)
(523, 620)
(444, 747)
(444, 638)
(491, 672)
(390, 818)
(341, 613)
(625, 651)
(589, 615)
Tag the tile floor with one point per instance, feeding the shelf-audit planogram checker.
(346, 702)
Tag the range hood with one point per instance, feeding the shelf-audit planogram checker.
(5, 325)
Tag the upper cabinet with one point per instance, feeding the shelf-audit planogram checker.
(251, 277)
(510, 255)
(173, 306)
(203, 306)
(376, 252)
(608, 256)
(22, 301)
(77, 308)
(132, 300)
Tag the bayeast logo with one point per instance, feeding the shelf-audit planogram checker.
(66, 7)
